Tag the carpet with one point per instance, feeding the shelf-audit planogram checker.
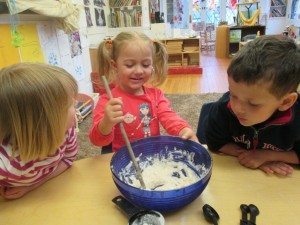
(186, 105)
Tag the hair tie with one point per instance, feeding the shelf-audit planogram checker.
(109, 42)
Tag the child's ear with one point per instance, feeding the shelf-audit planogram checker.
(113, 64)
(288, 101)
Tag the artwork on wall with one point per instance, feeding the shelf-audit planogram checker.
(154, 9)
(154, 5)
(100, 17)
(86, 2)
(278, 8)
(8, 53)
(235, 36)
(48, 41)
(88, 16)
(71, 53)
(42, 42)
(29, 49)
(180, 14)
(99, 3)
(75, 45)
(94, 13)
(295, 9)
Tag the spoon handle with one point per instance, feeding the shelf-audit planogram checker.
(125, 137)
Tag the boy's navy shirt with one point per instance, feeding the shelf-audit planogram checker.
(281, 132)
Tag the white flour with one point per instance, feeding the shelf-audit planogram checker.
(165, 171)
(167, 175)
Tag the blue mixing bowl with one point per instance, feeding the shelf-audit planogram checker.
(168, 200)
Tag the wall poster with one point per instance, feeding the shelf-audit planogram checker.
(278, 8)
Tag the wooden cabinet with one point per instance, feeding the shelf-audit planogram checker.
(239, 33)
(222, 40)
(183, 51)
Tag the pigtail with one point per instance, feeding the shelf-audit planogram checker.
(105, 50)
(160, 60)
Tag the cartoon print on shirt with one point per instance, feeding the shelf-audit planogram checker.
(268, 146)
(145, 118)
(244, 140)
(129, 118)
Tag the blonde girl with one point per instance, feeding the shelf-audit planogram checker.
(135, 65)
(37, 135)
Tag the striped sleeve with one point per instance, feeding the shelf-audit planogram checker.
(71, 147)
(15, 172)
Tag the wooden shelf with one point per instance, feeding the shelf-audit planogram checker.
(183, 51)
(244, 31)
(190, 52)
(174, 53)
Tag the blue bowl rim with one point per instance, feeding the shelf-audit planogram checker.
(124, 148)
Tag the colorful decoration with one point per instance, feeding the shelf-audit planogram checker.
(16, 37)
(233, 4)
(278, 8)
(252, 20)
(8, 53)
(14, 21)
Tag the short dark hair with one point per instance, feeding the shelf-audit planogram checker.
(268, 58)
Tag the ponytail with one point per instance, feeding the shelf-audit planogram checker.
(105, 50)
(160, 59)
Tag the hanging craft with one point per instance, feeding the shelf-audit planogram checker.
(15, 34)
(252, 20)
(16, 37)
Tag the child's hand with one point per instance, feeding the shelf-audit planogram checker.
(18, 192)
(14, 192)
(279, 168)
(253, 159)
(113, 113)
(2, 191)
(188, 133)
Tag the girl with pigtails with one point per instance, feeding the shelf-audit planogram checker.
(135, 65)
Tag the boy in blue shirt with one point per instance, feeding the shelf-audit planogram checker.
(258, 120)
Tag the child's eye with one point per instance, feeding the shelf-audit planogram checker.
(253, 105)
(146, 66)
(129, 65)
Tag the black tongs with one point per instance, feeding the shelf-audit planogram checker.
(249, 209)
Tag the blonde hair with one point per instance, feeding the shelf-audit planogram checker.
(109, 50)
(35, 99)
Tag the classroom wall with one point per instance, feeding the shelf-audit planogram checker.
(43, 42)
(273, 25)
(97, 33)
